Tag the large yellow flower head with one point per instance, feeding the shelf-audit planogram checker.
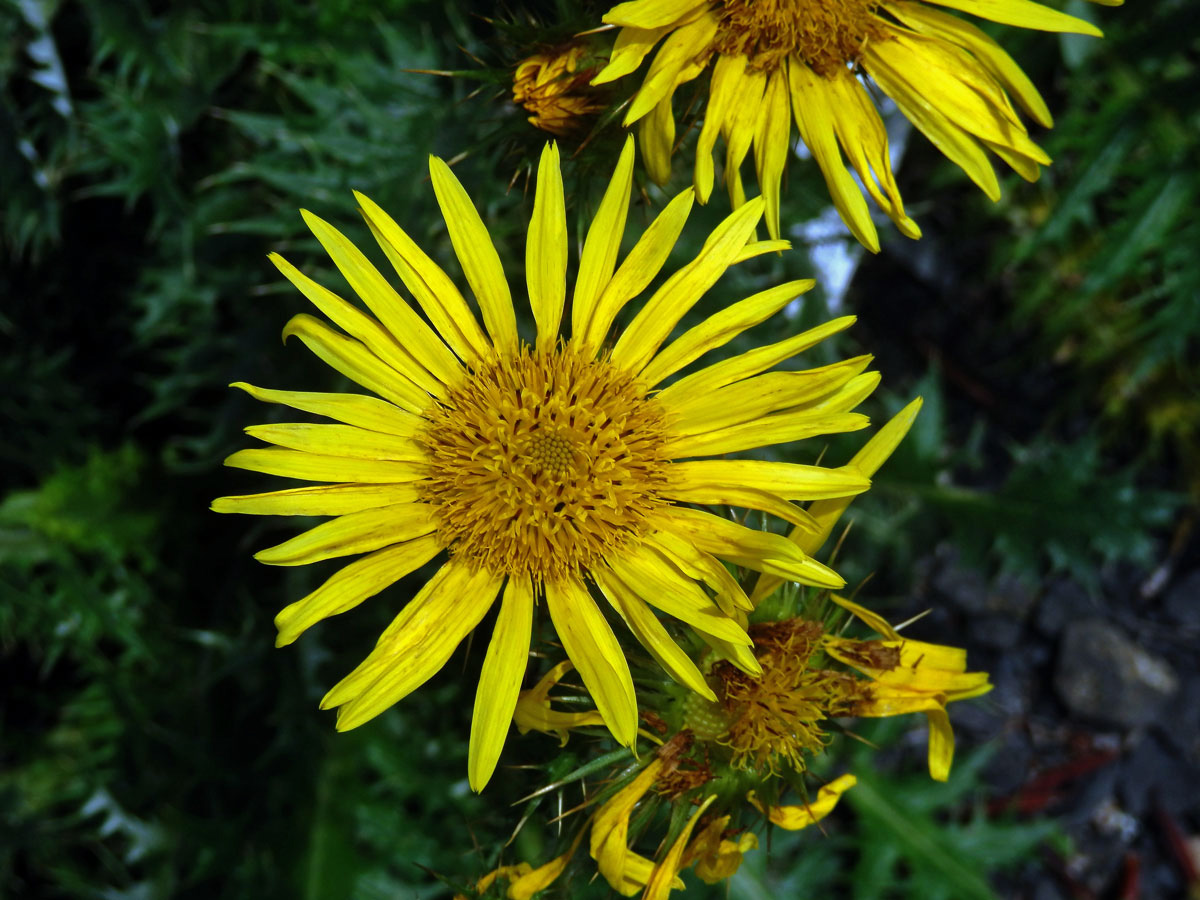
(779, 60)
(547, 469)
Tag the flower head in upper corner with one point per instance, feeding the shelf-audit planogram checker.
(550, 468)
(555, 91)
(782, 59)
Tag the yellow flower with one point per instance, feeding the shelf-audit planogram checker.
(554, 92)
(909, 676)
(544, 468)
(779, 60)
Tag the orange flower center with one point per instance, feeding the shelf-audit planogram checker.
(543, 462)
(826, 34)
(776, 718)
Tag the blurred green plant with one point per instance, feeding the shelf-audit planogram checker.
(1103, 262)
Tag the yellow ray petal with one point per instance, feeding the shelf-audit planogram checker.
(525, 886)
(353, 409)
(765, 431)
(361, 327)
(761, 395)
(594, 649)
(950, 138)
(663, 877)
(651, 13)
(990, 55)
(660, 584)
(603, 243)
(533, 710)
(429, 285)
(352, 533)
(650, 632)
(312, 467)
(954, 84)
(849, 395)
(761, 248)
(794, 818)
(750, 363)
(417, 338)
(1027, 168)
(722, 95)
(629, 49)
(333, 500)
(790, 481)
(655, 321)
(338, 440)
(702, 567)
(736, 654)
(609, 837)
(546, 249)
(762, 551)
(500, 681)
(721, 327)
(639, 268)
(352, 584)
(356, 362)
(869, 617)
(941, 744)
(772, 146)
(416, 645)
(1023, 14)
(815, 120)
(737, 495)
(656, 140)
(863, 138)
(680, 48)
(739, 129)
(477, 254)
(827, 512)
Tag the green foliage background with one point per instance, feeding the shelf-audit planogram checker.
(153, 742)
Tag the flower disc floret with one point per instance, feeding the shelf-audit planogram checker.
(827, 36)
(543, 463)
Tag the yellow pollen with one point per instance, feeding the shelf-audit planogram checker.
(826, 34)
(543, 462)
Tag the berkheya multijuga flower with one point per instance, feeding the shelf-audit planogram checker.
(563, 473)
(554, 87)
(775, 61)
(723, 766)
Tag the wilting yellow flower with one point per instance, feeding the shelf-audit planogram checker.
(778, 718)
(553, 90)
(543, 468)
(909, 676)
(779, 60)
(793, 818)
